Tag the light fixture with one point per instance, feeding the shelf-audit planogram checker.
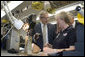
(17, 23)
(11, 5)
(67, 9)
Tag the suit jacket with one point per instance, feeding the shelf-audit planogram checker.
(51, 35)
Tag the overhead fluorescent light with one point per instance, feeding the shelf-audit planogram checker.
(2, 13)
(11, 5)
(67, 9)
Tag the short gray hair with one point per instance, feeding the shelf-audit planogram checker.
(42, 13)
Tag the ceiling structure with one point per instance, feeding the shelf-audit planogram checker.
(24, 9)
(7, 2)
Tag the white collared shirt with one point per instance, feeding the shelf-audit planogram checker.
(46, 32)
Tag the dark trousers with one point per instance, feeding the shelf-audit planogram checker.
(56, 54)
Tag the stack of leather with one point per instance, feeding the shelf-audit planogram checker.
(36, 49)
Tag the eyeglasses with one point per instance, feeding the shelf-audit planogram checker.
(44, 17)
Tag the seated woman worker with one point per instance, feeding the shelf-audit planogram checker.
(65, 37)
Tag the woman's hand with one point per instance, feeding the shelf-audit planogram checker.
(49, 50)
(48, 45)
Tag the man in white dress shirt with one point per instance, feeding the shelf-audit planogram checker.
(45, 31)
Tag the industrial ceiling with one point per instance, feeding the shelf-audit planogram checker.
(20, 14)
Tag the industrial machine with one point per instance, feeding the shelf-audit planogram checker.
(17, 30)
(80, 14)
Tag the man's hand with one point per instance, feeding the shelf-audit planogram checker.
(36, 36)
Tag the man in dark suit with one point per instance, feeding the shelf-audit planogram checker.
(45, 30)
